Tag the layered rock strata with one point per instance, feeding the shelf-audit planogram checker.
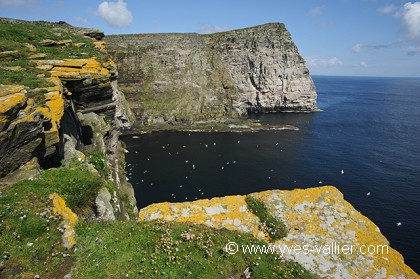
(80, 110)
(192, 77)
(319, 221)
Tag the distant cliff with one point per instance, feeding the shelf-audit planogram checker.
(192, 77)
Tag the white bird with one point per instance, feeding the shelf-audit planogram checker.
(193, 166)
(320, 182)
(399, 224)
(223, 168)
(239, 141)
(206, 145)
(277, 144)
(368, 194)
(342, 171)
(214, 143)
(186, 162)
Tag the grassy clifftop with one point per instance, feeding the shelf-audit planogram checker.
(30, 242)
(22, 41)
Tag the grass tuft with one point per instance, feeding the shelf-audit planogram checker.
(275, 228)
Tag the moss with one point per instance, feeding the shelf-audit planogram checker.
(275, 228)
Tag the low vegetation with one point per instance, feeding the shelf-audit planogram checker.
(171, 250)
(30, 242)
(275, 228)
(23, 42)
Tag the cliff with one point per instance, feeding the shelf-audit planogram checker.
(179, 78)
(318, 220)
(59, 104)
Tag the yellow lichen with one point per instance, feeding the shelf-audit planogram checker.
(314, 216)
(11, 96)
(69, 219)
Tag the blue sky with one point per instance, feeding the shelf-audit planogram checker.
(336, 37)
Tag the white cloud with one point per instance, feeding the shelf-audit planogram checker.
(81, 20)
(17, 3)
(116, 14)
(207, 28)
(413, 50)
(411, 19)
(324, 61)
(317, 10)
(358, 48)
(388, 9)
(335, 61)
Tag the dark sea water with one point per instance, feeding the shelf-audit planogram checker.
(369, 127)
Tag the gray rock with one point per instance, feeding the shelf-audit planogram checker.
(104, 208)
(177, 77)
(30, 170)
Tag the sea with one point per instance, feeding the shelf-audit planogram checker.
(365, 142)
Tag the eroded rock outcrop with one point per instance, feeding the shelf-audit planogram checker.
(192, 77)
(73, 106)
(317, 217)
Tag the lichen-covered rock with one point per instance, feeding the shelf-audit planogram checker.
(69, 220)
(175, 77)
(20, 128)
(319, 218)
(77, 107)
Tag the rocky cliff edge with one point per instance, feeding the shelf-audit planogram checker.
(59, 102)
(180, 78)
(321, 226)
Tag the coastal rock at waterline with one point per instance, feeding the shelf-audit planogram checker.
(317, 217)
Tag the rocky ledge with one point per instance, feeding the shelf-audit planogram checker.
(57, 108)
(316, 217)
(184, 78)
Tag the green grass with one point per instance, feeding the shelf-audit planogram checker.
(30, 243)
(162, 250)
(275, 228)
(97, 159)
(26, 217)
(14, 37)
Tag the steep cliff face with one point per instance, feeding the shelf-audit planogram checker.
(68, 106)
(192, 77)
